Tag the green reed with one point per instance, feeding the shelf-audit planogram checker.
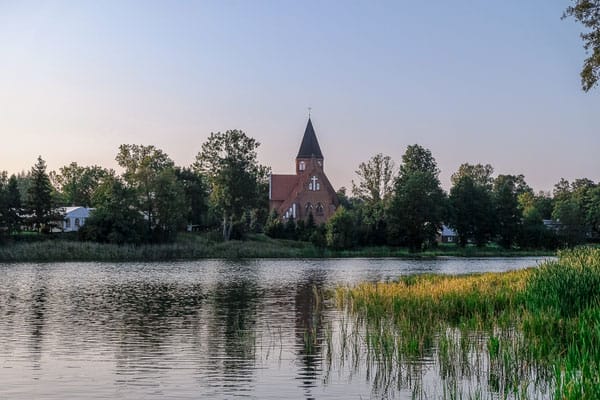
(517, 334)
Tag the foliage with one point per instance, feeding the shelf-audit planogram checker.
(11, 206)
(572, 221)
(339, 230)
(39, 198)
(507, 189)
(375, 179)
(196, 196)
(144, 168)
(479, 173)
(76, 184)
(418, 206)
(114, 220)
(471, 211)
(587, 12)
(237, 182)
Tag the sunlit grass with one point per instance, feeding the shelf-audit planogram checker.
(518, 334)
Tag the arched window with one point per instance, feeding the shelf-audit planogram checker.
(319, 209)
(314, 184)
(308, 208)
(302, 166)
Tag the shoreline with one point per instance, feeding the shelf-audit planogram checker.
(196, 247)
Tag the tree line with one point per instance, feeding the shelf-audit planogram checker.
(406, 206)
(151, 200)
(225, 192)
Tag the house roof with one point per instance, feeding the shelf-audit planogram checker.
(310, 146)
(282, 185)
(447, 231)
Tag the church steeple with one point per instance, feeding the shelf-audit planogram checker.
(310, 146)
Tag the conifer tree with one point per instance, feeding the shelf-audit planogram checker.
(39, 197)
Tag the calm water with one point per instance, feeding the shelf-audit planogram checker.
(204, 329)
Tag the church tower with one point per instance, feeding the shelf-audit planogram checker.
(308, 191)
(310, 151)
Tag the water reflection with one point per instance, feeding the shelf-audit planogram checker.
(309, 328)
(259, 329)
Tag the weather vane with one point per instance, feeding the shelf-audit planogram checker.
(309, 110)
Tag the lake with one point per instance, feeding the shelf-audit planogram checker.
(220, 329)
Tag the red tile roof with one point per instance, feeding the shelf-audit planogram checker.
(282, 185)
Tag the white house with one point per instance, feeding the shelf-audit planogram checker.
(74, 217)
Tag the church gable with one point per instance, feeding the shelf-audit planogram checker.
(309, 191)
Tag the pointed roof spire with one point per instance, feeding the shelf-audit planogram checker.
(310, 146)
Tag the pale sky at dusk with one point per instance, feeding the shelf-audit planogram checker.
(474, 81)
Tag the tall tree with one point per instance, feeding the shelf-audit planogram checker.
(144, 166)
(12, 199)
(479, 173)
(170, 205)
(373, 192)
(237, 181)
(572, 221)
(39, 199)
(507, 189)
(3, 203)
(196, 196)
(417, 207)
(471, 207)
(375, 179)
(587, 12)
(76, 184)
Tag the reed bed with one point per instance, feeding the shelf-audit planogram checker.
(532, 333)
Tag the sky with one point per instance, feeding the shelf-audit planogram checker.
(473, 81)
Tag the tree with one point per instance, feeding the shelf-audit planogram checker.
(587, 12)
(114, 220)
(417, 207)
(572, 219)
(375, 179)
(146, 172)
(339, 230)
(237, 182)
(592, 213)
(39, 199)
(273, 227)
(13, 205)
(3, 203)
(479, 173)
(373, 193)
(196, 196)
(76, 184)
(507, 189)
(170, 205)
(471, 211)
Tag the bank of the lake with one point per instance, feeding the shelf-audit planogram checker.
(197, 246)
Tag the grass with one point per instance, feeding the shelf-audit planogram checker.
(516, 334)
(65, 247)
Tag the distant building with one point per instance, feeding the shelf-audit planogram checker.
(308, 190)
(553, 225)
(447, 235)
(74, 217)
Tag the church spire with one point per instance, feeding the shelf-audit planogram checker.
(310, 146)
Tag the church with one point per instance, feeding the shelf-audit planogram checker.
(308, 190)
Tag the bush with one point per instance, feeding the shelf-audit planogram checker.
(340, 230)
